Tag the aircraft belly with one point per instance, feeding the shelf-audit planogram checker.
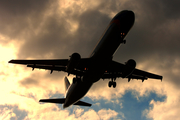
(108, 43)
(76, 92)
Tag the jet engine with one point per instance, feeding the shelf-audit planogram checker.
(73, 62)
(128, 68)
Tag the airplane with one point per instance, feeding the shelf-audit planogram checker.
(98, 66)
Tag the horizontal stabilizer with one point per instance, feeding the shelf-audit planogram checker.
(62, 100)
(81, 103)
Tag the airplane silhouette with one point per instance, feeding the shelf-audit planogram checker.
(98, 66)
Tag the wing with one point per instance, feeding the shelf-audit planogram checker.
(54, 65)
(61, 62)
(115, 70)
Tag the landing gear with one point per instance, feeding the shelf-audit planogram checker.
(112, 83)
(124, 41)
(129, 79)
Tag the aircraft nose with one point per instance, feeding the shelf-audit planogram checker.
(130, 16)
(130, 13)
(125, 20)
(125, 16)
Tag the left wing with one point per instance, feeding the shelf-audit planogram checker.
(115, 70)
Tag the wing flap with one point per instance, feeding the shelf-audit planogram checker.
(56, 68)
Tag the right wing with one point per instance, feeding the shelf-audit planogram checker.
(54, 64)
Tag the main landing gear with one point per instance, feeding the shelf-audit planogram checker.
(112, 83)
(123, 41)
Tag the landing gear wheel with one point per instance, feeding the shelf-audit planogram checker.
(110, 83)
(114, 84)
(124, 41)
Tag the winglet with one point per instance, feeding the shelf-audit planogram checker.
(11, 61)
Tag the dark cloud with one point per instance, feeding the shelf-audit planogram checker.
(45, 30)
(55, 38)
(16, 15)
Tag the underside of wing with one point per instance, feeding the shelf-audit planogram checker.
(116, 70)
(145, 74)
(56, 65)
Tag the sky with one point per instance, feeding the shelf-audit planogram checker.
(47, 29)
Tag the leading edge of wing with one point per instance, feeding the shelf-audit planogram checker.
(62, 62)
(136, 74)
(146, 74)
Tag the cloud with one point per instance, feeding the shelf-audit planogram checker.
(107, 114)
(7, 114)
(168, 109)
(56, 29)
(15, 16)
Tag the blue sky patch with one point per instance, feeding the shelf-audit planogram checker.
(129, 105)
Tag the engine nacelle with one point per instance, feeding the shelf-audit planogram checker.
(128, 68)
(73, 62)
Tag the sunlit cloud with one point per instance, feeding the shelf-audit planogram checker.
(7, 114)
(56, 29)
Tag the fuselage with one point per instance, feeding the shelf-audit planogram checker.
(102, 55)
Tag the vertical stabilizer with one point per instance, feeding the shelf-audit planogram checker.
(66, 83)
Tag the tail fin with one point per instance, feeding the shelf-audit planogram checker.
(66, 82)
